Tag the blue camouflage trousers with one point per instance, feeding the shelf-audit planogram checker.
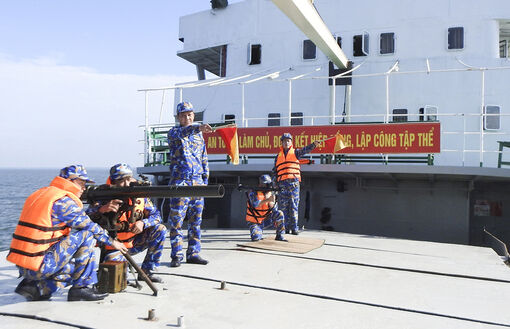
(288, 202)
(70, 261)
(180, 209)
(152, 239)
(274, 218)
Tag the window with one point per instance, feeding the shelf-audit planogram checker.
(491, 118)
(273, 119)
(428, 113)
(360, 44)
(456, 38)
(229, 118)
(309, 50)
(339, 41)
(387, 43)
(254, 54)
(399, 115)
(503, 48)
(296, 119)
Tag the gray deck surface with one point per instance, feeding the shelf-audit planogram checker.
(352, 281)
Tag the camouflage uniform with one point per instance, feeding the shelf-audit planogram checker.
(275, 218)
(288, 197)
(151, 238)
(188, 167)
(58, 269)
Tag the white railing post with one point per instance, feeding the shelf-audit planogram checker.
(464, 140)
(243, 118)
(332, 102)
(482, 117)
(146, 137)
(162, 104)
(387, 116)
(290, 102)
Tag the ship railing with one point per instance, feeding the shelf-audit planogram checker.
(457, 132)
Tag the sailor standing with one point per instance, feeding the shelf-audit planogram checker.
(288, 177)
(188, 167)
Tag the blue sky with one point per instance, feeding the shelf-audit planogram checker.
(70, 74)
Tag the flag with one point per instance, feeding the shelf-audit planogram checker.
(229, 136)
(334, 144)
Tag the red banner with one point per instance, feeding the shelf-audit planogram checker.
(390, 138)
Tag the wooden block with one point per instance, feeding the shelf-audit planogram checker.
(112, 276)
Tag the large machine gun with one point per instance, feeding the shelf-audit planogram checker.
(128, 196)
(266, 188)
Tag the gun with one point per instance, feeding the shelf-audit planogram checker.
(139, 189)
(107, 192)
(266, 188)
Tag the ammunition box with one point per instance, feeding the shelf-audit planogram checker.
(112, 277)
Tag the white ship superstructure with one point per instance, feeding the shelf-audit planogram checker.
(440, 61)
(413, 60)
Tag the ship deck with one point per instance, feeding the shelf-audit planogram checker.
(352, 281)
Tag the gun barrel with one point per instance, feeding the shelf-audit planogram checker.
(171, 191)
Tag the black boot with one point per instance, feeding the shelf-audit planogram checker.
(176, 262)
(280, 238)
(84, 293)
(152, 277)
(295, 232)
(196, 260)
(30, 291)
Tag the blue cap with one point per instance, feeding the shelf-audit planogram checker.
(286, 135)
(74, 172)
(120, 171)
(184, 107)
(265, 179)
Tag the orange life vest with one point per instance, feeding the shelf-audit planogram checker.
(287, 167)
(257, 214)
(35, 232)
(128, 237)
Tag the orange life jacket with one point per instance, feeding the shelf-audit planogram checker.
(257, 214)
(35, 232)
(287, 167)
(128, 237)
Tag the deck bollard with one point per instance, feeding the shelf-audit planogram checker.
(152, 314)
(180, 321)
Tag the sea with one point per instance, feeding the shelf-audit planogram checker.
(17, 184)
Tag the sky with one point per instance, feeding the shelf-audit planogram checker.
(70, 72)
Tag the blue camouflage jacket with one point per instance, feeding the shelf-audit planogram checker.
(188, 156)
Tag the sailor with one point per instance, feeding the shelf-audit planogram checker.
(288, 177)
(50, 255)
(262, 211)
(141, 222)
(188, 167)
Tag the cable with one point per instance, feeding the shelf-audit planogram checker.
(39, 318)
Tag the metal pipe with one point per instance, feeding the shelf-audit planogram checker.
(141, 273)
